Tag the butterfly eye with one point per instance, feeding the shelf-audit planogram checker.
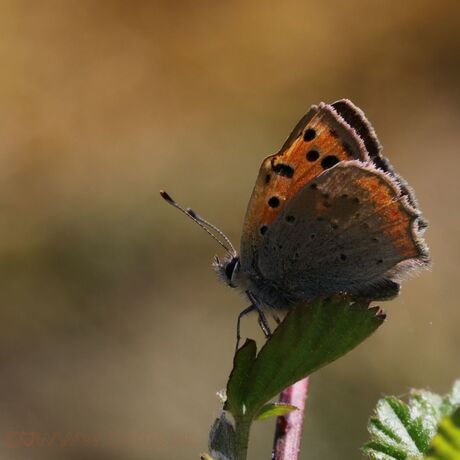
(230, 267)
(309, 135)
(263, 229)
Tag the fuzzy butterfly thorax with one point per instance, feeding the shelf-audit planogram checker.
(328, 215)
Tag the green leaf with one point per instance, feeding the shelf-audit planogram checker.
(446, 443)
(401, 431)
(236, 386)
(274, 410)
(311, 336)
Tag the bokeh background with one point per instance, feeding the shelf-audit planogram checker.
(112, 323)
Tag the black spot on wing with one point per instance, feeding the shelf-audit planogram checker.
(312, 155)
(274, 202)
(309, 135)
(283, 169)
(329, 161)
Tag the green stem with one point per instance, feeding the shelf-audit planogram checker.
(242, 427)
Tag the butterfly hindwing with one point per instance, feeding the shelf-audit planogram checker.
(345, 231)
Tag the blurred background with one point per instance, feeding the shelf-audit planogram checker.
(112, 322)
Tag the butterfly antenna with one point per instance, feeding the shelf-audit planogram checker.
(192, 213)
(201, 222)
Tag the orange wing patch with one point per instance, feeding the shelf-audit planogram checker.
(320, 140)
(397, 221)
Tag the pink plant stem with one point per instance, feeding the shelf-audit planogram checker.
(288, 433)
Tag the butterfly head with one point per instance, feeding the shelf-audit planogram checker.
(228, 270)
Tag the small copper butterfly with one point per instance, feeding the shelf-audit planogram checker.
(328, 215)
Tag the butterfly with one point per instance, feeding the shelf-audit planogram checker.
(328, 215)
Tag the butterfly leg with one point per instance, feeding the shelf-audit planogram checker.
(238, 323)
(263, 323)
(276, 318)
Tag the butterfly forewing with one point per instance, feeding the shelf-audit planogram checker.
(319, 141)
(355, 118)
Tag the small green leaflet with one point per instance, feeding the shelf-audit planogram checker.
(274, 410)
(446, 443)
(401, 431)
